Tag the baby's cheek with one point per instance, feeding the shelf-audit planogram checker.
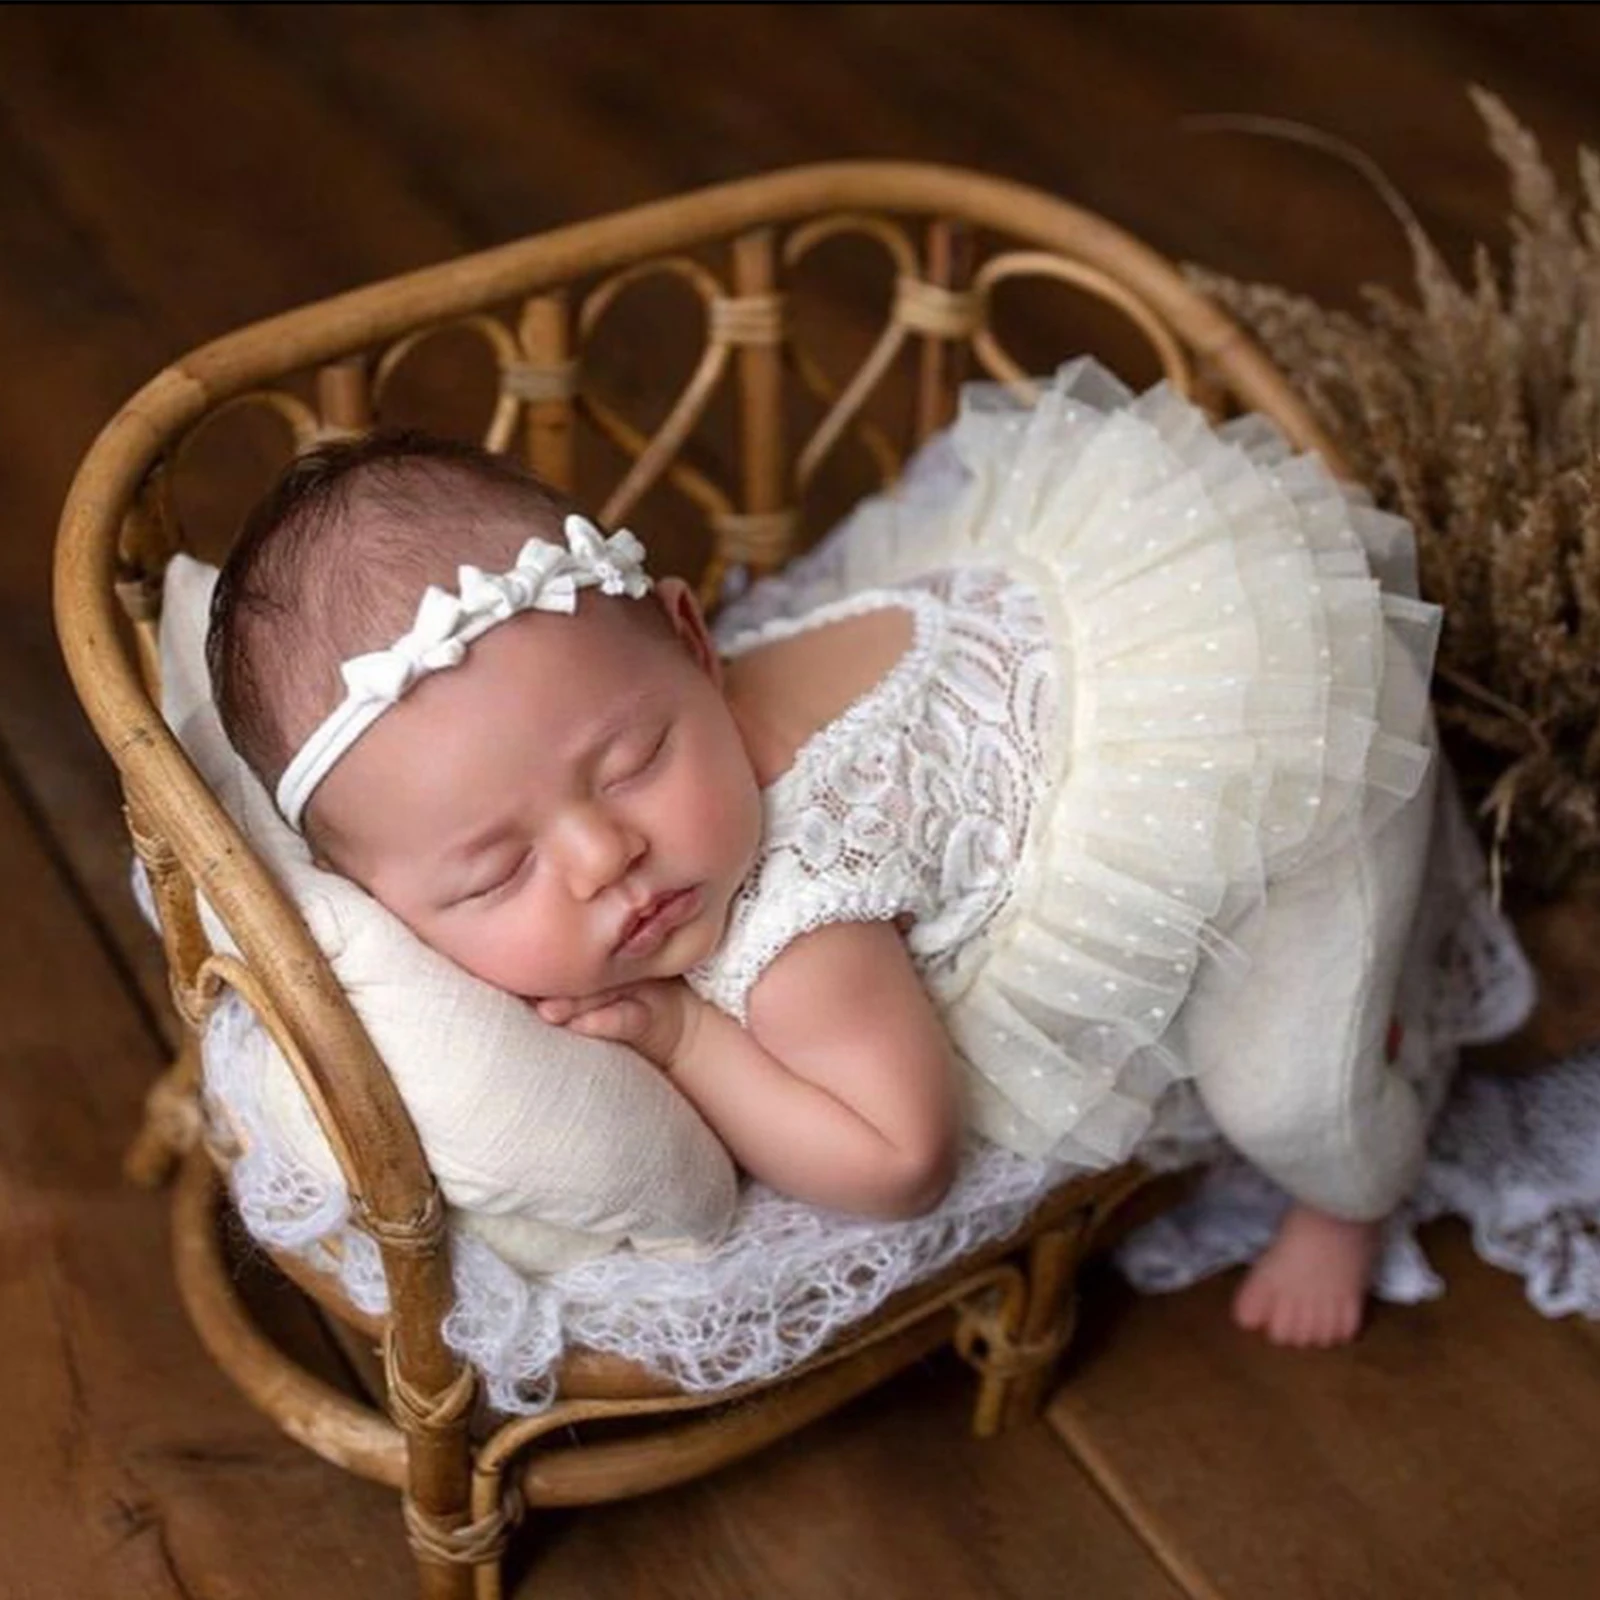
(470, 951)
(543, 961)
(504, 952)
(715, 805)
(731, 819)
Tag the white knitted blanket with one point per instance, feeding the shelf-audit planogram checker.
(1520, 1158)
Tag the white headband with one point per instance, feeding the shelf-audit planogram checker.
(545, 578)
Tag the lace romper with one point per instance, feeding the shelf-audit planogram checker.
(1152, 672)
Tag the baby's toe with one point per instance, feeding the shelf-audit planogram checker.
(1284, 1326)
(1337, 1319)
(1319, 1325)
(1347, 1319)
(1252, 1304)
(1308, 1325)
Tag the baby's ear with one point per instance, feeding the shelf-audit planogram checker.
(688, 622)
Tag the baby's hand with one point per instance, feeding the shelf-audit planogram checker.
(655, 1018)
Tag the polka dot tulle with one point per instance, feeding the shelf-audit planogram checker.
(1157, 667)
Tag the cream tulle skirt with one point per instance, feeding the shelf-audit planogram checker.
(1244, 666)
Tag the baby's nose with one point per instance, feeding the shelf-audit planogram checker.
(600, 848)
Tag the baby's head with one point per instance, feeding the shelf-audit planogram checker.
(566, 807)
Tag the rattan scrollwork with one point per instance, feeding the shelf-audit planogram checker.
(746, 254)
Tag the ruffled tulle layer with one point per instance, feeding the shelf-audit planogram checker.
(1242, 697)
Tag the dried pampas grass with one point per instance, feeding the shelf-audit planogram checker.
(1475, 413)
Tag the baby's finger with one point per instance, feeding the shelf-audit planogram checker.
(623, 1020)
(561, 1009)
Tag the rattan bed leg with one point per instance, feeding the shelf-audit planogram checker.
(465, 1561)
(450, 1550)
(433, 1410)
(442, 1582)
(1048, 1321)
(1014, 1344)
(171, 1120)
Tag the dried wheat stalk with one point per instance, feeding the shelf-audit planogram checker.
(1475, 413)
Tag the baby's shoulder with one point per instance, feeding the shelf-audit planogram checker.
(789, 682)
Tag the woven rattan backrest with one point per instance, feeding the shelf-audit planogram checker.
(950, 238)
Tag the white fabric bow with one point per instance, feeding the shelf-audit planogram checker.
(430, 646)
(617, 562)
(544, 577)
(540, 579)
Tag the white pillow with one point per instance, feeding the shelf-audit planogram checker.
(549, 1146)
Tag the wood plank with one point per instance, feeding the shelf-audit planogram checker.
(151, 114)
(265, 196)
(69, 325)
(496, 116)
(1448, 1452)
(889, 1497)
(130, 1465)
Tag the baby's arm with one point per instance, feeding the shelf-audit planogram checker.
(841, 1091)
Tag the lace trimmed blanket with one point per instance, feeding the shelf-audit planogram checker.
(1519, 1158)
(787, 1277)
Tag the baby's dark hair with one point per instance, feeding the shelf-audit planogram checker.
(334, 561)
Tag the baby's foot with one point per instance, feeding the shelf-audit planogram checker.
(1309, 1287)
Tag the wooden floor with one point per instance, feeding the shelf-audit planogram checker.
(168, 173)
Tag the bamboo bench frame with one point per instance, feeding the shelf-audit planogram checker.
(1007, 1308)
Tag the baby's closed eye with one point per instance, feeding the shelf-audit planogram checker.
(635, 758)
(494, 879)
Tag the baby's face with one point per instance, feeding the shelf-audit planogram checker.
(570, 809)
